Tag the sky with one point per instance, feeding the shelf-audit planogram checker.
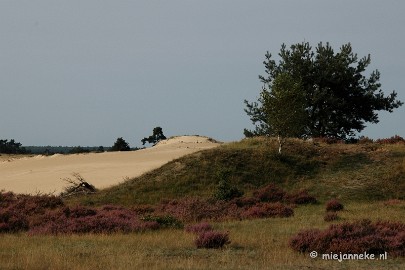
(85, 72)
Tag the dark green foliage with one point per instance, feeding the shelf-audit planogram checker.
(11, 147)
(79, 150)
(339, 98)
(120, 145)
(165, 221)
(284, 106)
(225, 191)
(50, 150)
(156, 137)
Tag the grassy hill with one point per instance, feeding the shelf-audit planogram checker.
(352, 172)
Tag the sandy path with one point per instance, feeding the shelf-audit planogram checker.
(44, 174)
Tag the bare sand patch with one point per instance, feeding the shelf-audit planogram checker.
(45, 173)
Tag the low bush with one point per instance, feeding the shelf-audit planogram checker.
(270, 193)
(392, 202)
(355, 238)
(265, 210)
(365, 140)
(29, 204)
(393, 140)
(328, 140)
(165, 221)
(212, 239)
(300, 197)
(225, 191)
(245, 201)
(334, 205)
(12, 221)
(330, 216)
(81, 220)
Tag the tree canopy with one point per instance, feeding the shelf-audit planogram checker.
(157, 135)
(120, 145)
(11, 147)
(338, 98)
(284, 107)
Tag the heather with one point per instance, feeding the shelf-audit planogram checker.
(355, 237)
(45, 214)
(254, 244)
(212, 239)
(162, 216)
(334, 205)
(269, 201)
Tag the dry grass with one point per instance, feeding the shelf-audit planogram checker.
(255, 244)
(362, 172)
(368, 179)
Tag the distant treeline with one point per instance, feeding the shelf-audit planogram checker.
(12, 147)
(50, 150)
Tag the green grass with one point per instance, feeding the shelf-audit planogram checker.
(358, 172)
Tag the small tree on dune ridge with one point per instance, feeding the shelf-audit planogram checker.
(156, 136)
(120, 145)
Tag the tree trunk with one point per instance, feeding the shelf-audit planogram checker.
(280, 143)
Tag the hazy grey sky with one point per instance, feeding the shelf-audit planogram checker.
(86, 72)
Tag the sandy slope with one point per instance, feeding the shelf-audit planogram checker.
(44, 174)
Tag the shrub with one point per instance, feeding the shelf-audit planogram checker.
(270, 193)
(265, 210)
(392, 202)
(393, 140)
(301, 197)
(165, 221)
(330, 216)
(29, 204)
(80, 220)
(6, 198)
(79, 211)
(365, 140)
(12, 221)
(328, 140)
(212, 239)
(357, 237)
(225, 191)
(199, 227)
(120, 145)
(245, 201)
(334, 205)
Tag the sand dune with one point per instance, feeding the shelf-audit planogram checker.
(45, 173)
